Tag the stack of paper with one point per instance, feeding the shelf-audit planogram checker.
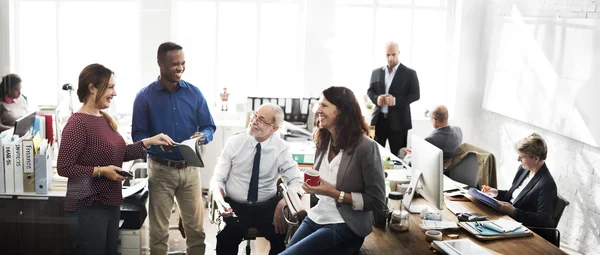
(433, 224)
(59, 183)
(450, 184)
(502, 225)
(494, 229)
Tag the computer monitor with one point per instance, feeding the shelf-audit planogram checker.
(24, 124)
(427, 176)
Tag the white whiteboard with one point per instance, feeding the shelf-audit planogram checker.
(546, 72)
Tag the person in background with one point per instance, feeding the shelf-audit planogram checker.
(14, 104)
(91, 155)
(245, 180)
(177, 108)
(392, 89)
(444, 136)
(530, 200)
(351, 180)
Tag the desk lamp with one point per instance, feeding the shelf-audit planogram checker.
(68, 87)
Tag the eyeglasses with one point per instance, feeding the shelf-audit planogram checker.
(260, 119)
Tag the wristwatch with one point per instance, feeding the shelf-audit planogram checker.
(341, 197)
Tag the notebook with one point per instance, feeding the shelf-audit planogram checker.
(488, 234)
(490, 228)
(191, 151)
(456, 196)
(492, 202)
(459, 247)
(502, 225)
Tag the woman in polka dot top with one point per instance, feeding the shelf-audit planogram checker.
(91, 153)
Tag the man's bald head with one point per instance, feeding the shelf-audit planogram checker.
(392, 46)
(391, 53)
(440, 115)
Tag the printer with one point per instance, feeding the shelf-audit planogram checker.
(133, 209)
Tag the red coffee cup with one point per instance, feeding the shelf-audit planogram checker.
(311, 177)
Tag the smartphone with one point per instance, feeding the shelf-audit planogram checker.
(125, 173)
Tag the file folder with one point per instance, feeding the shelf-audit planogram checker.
(18, 155)
(43, 169)
(8, 148)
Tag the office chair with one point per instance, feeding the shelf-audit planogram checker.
(486, 165)
(559, 207)
(552, 234)
(466, 171)
(253, 233)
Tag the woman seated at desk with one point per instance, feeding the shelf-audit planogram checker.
(531, 198)
(351, 175)
(13, 103)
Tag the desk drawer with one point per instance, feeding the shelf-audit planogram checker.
(129, 239)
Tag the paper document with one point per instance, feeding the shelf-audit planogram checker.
(459, 247)
(487, 228)
(458, 193)
(502, 225)
(190, 149)
(128, 191)
(450, 184)
(434, 224)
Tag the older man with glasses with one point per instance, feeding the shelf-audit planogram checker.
(245, 178)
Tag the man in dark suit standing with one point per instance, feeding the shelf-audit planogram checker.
(393, 88)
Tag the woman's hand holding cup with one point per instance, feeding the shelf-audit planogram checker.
(313, 184)
(311, 177)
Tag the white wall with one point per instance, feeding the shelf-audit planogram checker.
(318, 67)
(4, 39)
(470, 75)
(156, 29)
(575, 166)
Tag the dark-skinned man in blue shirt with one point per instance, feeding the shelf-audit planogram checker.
(177, 108)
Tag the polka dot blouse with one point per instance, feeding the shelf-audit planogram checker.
(88, 142)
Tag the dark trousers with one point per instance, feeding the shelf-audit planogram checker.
(94, 229)
(314, 239)
(249, 216)
(384, 132)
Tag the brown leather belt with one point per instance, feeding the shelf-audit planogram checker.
(168, 163)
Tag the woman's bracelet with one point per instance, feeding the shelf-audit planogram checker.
(99, 172)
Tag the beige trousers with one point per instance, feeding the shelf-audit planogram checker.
(165, 184)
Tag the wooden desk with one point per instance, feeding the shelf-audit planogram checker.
(386, 241)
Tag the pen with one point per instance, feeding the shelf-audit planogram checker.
(478, 227)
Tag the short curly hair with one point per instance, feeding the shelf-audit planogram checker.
(8, 83)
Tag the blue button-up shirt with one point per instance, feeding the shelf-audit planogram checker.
(178, 114)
